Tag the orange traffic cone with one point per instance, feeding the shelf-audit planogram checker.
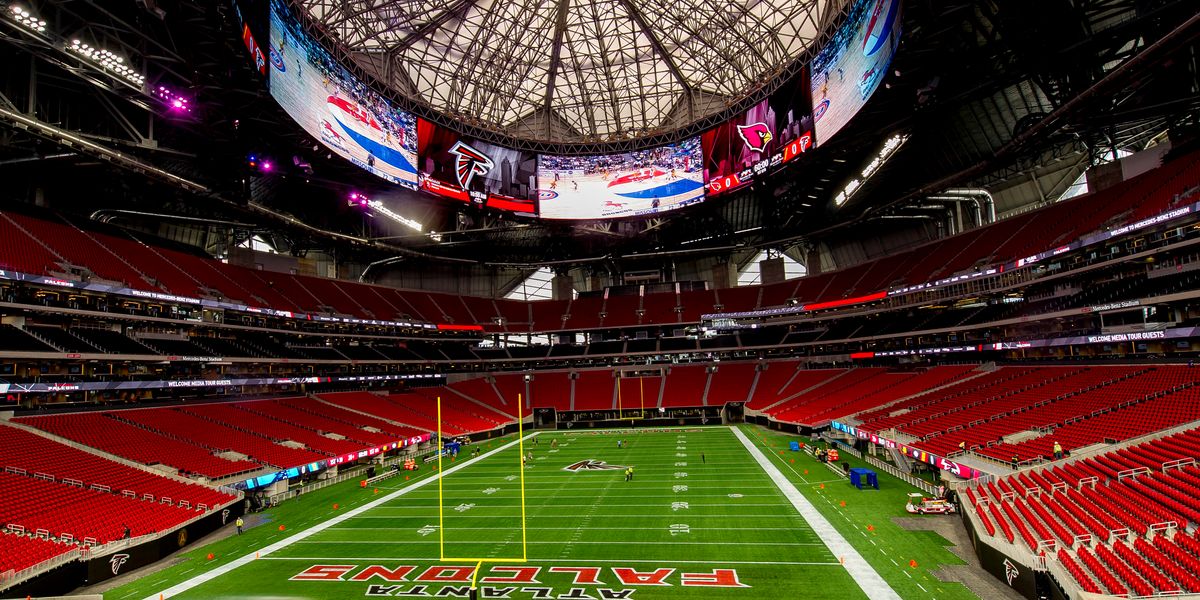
(870, 528)
(912, 563)
(210, 556)
(281, 528)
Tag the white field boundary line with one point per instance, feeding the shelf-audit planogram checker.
(205, 577)
(426, 559)
(866, 577)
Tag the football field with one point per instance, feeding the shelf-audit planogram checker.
(706, 514)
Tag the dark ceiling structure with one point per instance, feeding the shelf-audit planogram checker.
(1018, 97)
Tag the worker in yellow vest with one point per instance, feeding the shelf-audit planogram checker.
(1058, 451)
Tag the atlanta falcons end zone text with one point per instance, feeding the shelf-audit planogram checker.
(500, 581)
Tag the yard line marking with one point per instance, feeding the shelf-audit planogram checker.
(571, 560)
(501, 493)
(793, 516)
(560, 542)
(863, 574)
(205, 577)
(793, 529)
(409, 508)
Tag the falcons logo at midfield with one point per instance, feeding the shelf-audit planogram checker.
(592, 465)
(468, 163)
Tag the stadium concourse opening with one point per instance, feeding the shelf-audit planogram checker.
(600, 299)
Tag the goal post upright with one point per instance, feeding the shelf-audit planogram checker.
(479, 562)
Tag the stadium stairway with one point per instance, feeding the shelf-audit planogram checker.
(356, 402)
(479, 391)
(476, 412)
(1113, 523)
(102, 431)
(895, 403)
(16, 424)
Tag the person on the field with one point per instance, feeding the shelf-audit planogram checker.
(1058, 451)
(702, 458)
(239, 523)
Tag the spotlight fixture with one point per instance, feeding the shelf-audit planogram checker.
(881, 157)
(377, 206)
(172, 100)
(21, 16)
(108, 61)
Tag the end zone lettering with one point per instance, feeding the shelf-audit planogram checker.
(508, 580)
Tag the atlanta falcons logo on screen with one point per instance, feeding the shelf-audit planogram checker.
(755, 135)
(468, 163)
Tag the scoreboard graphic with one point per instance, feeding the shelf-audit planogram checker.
(335, 107)
(853, 64)
(611, 186)
(772, 133)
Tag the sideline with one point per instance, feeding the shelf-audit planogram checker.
(205, 577)
(863, 574)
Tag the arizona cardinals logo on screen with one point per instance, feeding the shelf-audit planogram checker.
(1010, 571)
(116, 561)
(592, 465)
(755, 135)
(468, 163)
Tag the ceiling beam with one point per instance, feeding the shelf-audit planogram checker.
(656, 43)
(455, 10)
(560, 27)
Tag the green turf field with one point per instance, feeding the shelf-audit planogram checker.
(700, 519)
